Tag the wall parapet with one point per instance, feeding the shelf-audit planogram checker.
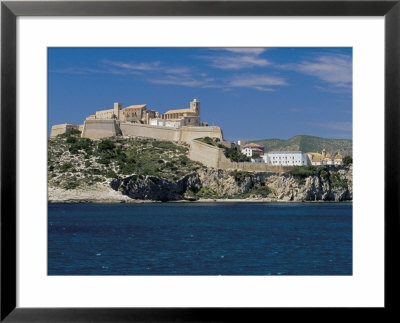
(212, 156)
(99, 128)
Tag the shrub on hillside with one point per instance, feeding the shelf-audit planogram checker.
(304, 171)
(347, 160)
(65, 167)
(105, 145)
(235, 155)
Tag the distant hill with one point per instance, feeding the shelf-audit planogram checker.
(309, 144)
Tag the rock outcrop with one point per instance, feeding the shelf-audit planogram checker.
(334, 184)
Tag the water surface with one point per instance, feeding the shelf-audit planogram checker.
(200, 239)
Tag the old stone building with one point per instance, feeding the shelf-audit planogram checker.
(252, 149)
(324, 158)
(133, 113)
(189, 117)
(140, 114)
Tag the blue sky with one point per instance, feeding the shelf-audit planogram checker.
(252, 93)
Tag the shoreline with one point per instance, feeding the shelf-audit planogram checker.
(102, 194)
(131, 201)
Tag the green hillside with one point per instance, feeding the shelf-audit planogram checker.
(309, 144)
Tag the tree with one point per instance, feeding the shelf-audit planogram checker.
(347, 160)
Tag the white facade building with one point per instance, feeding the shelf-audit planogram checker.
(286, 158)
(253, 149)
(167, 123)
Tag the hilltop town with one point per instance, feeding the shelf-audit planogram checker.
(135, 153)
(185, 125)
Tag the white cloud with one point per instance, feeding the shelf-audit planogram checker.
(237, 62)
(150, 66)
(341, 126)
(258, 82)
(238, 58)
(181, 81)
(250, 50)
(333, 69)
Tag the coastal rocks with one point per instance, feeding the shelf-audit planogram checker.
(312, 188)
(223, 183)
(333, 185)
(148, 188)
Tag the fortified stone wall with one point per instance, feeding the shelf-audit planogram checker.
(190, 133)
(184, 134)
(97, 129)
(104, 128)
(148, 131)
(206, 154)
(59, 129)
(212, 156)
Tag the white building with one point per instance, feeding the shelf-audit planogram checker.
(338, 159)
(286, 158)
(252, 149)
(317, 159)
(177, 123)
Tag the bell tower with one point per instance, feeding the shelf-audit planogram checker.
(117, 108)
(195, 106)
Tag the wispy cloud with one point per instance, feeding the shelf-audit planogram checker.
(258, 82)
(181, 81)
(248, 51)
(341, 126)
(158, 73)
(333, 69)
(146, 66)
(127, 68)
(80, 70)
(237, 58)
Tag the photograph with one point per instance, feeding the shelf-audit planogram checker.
(194, 161)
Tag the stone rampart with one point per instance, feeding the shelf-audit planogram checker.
(59, 129)
(190, 133)
(96, 129)
(149, 131)
(183, 134)
(212, 156)
(206, 154)
(104, 128)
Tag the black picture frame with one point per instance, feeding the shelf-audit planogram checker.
(10, 10)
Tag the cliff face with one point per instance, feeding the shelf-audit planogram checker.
(328, 185)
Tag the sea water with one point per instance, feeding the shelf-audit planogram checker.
(200, 239)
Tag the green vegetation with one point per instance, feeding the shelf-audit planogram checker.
(347, 160)
(309, 144)
(98, 161)
(65, 167)
(233, 154)
(325, 172)
(337, 182)
(306, 171)
(239, 176)
(70, 132)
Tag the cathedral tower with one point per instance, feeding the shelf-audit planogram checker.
(195, 106)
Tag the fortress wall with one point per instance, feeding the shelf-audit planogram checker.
(97, 129)
(206, 154)
(253, 167)
(59, 129)
(190, 133)
(212, 156)
(186, 134)
(148, 131)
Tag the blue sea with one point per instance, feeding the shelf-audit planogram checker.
(200, 239)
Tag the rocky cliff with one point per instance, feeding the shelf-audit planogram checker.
(135, 169)
(326, 184)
